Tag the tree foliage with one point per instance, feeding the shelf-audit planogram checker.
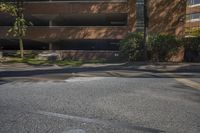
(160, 47)
(20, 25)
(195, 32)
(9, 8)
(131, 47)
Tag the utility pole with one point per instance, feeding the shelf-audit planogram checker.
(146, 24)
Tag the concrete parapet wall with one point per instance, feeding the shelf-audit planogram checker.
(73, 54)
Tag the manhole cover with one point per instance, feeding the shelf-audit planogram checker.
(75, 131)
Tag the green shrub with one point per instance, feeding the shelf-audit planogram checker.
(192, 48)
(192, 43)
(195, 32)
(161, 47)
(131, 47)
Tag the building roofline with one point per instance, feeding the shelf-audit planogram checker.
(79, 1)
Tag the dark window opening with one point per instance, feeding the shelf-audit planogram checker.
(111, 45)
(91, 20)
(28, 45)
(37, 20)
(140, 15)
(6, 20)
(193, 2)
(69, 20)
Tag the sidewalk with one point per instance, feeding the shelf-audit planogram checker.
(162, 67)
(10, 72)
(165, 66)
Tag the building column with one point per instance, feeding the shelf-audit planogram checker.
(50, 23)
(132, 15)
(50, 46)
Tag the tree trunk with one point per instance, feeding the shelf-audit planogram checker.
(146, 21)
(20, 26)
(21, 45)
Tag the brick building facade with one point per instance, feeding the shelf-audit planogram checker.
(193, 16)
(92, 24)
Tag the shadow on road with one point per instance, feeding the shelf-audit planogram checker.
(69, 70)
(3, 82)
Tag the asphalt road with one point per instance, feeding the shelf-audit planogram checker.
(100, 104)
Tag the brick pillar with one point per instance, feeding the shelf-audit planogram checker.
(132, 15)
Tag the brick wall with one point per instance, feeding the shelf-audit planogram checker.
(167, 16)
(50, 34)
(131, 15)
(77, 7)
(195, 9)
